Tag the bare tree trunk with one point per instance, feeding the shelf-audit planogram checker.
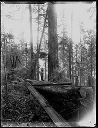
(72, 48)
(81, 70)
(45, 68)
(37, 47)
(33, 71)
(70, 60)
(76, 71)
(94, 72)
(37, 65)
(52, 41)
(26, 55)
(72, 67)
(5, 74)
(91, 60)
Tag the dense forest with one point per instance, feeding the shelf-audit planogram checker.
(50, 55)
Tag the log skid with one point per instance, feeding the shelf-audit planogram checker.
(56, 118)
(53, 97)
(62, 102)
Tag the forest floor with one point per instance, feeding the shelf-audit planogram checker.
(21, 108)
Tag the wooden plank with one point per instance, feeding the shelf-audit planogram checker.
(56, 118)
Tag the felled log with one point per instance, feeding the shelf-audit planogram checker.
(46, 83)
(56, 118)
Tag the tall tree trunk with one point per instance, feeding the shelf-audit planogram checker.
(72, 67)
(45, 68)
(63, 37)
(45, 59)
(91, 60)
(5, 74)
(26, 55)
(52, 40)
(37, 65)
(37, 47)
(31, 43)
(76, 71)
(72, 47)
(94, 72)
(70, 60)
(81, 70)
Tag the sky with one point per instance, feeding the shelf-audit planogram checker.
(74, 14)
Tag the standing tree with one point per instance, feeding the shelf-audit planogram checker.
(37, 47)
(52, 40)
(33, 62)
(70, 59)
(91, 51)
(4, 53)
(64, 54)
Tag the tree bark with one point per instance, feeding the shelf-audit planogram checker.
(91, 60)
(72, 47)
(45, 68)
(70, 60)
(37, 47)
(72, 67)
(26, 55)
(5, 74)
(81, 70)
(33, 63)
(52, 41)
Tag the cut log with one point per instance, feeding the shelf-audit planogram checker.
(46, 83)
(56, 118)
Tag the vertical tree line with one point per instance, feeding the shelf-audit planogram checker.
(31, 43)
(37, 68)
(52, 40)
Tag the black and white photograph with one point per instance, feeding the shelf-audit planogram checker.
(48, 64)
